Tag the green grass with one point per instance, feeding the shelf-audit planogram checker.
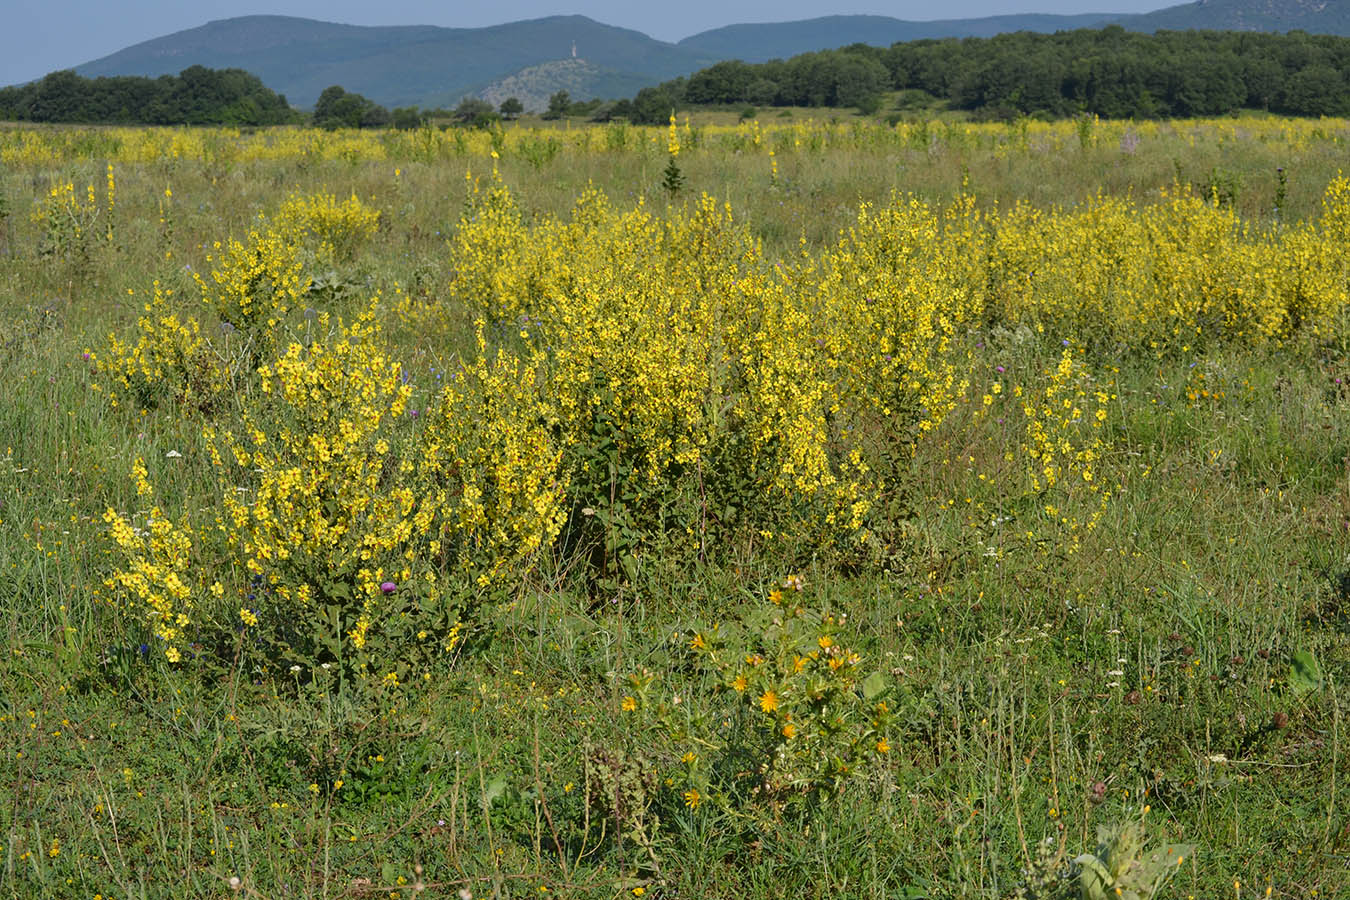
(1038, 695)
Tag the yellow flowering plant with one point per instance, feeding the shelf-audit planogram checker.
(313, 495)
(492, 267)
(364, 534)
(778, 708)
(672, 179)
(801, 703)
(488, 469)
(252, 288)
(336, 229)
(71, 221)
(1168, 277)
(157, 586)
(1063, 445)
(686, 386)
(170, 361)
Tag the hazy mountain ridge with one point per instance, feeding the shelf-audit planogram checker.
(1315, 16)
(581, 79)
(399, 65)
(779, 40)
(429, 66)
(783, 39)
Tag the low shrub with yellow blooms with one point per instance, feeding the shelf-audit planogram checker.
(1063, 445)
(786, 711)
(645, 380)
(170, 361)
(347, 517)
(160, 587)
(489, 468)
(1172, 275)
(71, 220)
(311, 488)
(679, 357)
(338, 229)
(253, 286)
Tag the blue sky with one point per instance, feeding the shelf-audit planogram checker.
(40, 37)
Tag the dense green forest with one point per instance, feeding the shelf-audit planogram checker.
(1111, 72)
(196, 96)
(338, 108)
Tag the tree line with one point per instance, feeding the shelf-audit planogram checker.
(195, 96)
(1111, 72)
(202, 96)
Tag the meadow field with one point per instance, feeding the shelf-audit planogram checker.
(775, 509)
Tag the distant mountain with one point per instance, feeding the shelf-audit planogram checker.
(581, 79)
(780, 40)
(1313, 16)
(429, 66)
(401, 65)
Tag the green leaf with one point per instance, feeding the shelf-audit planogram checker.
(1304, 672)
(495, 789)
(1094, 879)
(873, 686)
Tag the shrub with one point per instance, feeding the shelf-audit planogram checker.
(339, 229)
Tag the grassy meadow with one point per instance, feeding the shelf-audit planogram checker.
(781, 508)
